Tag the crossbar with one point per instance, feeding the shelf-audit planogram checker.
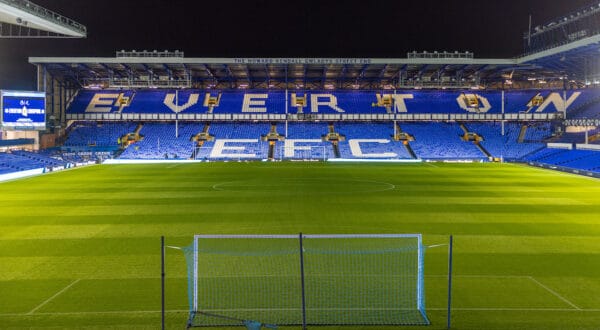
(312, 236)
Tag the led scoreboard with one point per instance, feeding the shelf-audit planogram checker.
(23, 110)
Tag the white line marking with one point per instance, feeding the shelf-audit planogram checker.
(481, 276)
(54, 296)
(360, 275)
(95, 313)
(397, 309)
(516, 309)
(557, 172)
(437, 245)
(348, 275)
(575, 307)
(430, 309)
(554, 293)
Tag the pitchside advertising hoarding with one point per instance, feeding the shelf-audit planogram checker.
(23, 110)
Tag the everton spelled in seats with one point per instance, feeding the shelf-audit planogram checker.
(326, 102)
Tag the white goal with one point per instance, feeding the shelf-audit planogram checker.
(307, 153)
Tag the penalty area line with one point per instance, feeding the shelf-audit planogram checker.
(92, 313)
(491, 309)
(554, 293)
(436, 246)
(54, 296)
(499, 309)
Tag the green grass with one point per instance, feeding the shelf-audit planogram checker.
(81, 248)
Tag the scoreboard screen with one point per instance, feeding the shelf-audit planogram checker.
(23, 110)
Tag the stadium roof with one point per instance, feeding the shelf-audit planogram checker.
(268, 72)
(24, 19)
(578, 59)
(421, 70)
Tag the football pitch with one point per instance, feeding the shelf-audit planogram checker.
(80, 249)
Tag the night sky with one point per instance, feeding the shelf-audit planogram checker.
(222, 28)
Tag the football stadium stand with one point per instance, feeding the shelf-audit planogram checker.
(371, 140)
(579, 137)
(428, 106)
(40, 158)
(438, 141)
(507, 146)
(308, 142)
(124, 103)
(239, 135)
(22, 161)
(587, 160)
(431, 125)
(253, 124)
(588, 107)
(160, 141)
(92, 134)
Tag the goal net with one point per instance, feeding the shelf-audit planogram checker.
(306, 280)
(201, 153)
(304, 153)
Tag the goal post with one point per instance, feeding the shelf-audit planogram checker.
(201, 153)
(306, 280)
(304, 153)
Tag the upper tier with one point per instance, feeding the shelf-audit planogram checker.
(334, 102)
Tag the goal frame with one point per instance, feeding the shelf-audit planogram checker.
(420, 302)
(197, 152)
(322, 149)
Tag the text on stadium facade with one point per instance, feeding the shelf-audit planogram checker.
(267, 60)
(324, 102)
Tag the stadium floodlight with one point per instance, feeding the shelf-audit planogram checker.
(306, 280)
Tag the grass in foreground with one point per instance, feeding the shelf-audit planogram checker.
(80, 249)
